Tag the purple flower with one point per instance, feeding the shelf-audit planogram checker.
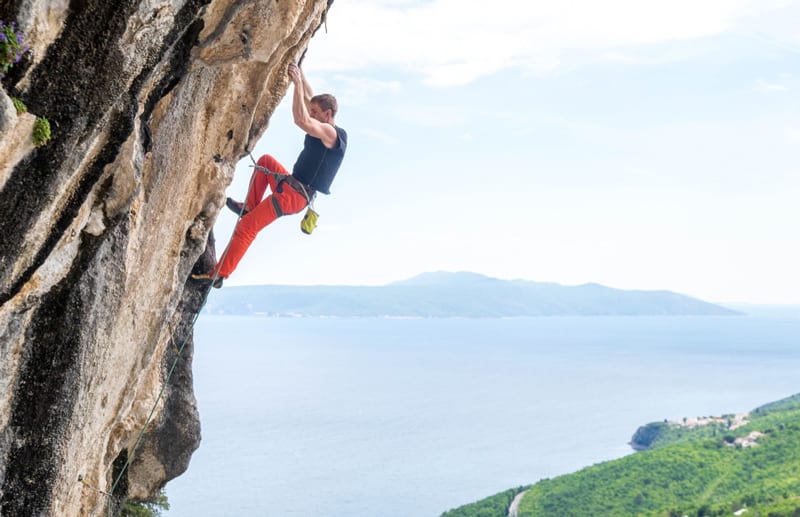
(12, 46)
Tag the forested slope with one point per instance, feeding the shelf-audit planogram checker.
(687, 472)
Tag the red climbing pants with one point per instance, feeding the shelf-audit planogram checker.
(261, 211)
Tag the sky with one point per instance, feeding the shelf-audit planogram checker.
(635, 144)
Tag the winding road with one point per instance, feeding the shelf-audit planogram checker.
(513, 509)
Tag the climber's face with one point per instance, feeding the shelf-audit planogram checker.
(318, 113)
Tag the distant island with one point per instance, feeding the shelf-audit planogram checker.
(453, 295)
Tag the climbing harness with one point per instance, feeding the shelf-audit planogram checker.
(309, 221)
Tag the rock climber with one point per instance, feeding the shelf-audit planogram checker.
(314, 171)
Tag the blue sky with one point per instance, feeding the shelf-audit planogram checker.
(640, 145)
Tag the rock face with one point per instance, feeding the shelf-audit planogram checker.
(151, 104)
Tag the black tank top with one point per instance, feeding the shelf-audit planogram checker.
(317, 165)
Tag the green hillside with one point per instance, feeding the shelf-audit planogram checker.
(496, 505)
(694, 472)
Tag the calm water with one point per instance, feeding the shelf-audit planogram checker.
(406, 418)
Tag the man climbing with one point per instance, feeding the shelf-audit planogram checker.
(314, 170)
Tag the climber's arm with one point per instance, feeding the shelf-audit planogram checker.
(307, 115)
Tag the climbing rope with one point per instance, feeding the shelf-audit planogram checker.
(178, 351)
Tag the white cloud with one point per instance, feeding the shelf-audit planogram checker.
(361, 90)
(454, 42)
(442, 117)
(379, 136)
(770, 87)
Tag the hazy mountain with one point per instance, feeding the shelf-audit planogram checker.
(444, 294)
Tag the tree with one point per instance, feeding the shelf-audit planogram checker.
(146, 508)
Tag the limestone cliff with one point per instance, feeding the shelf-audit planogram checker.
(151, 104)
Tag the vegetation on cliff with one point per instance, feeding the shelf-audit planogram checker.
(146, 508)
(12, 47)
(658, 434)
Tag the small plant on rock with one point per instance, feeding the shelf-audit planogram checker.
(12, 47)
(19, 106)
(41, 131)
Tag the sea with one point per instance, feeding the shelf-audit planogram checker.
(381, 417)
